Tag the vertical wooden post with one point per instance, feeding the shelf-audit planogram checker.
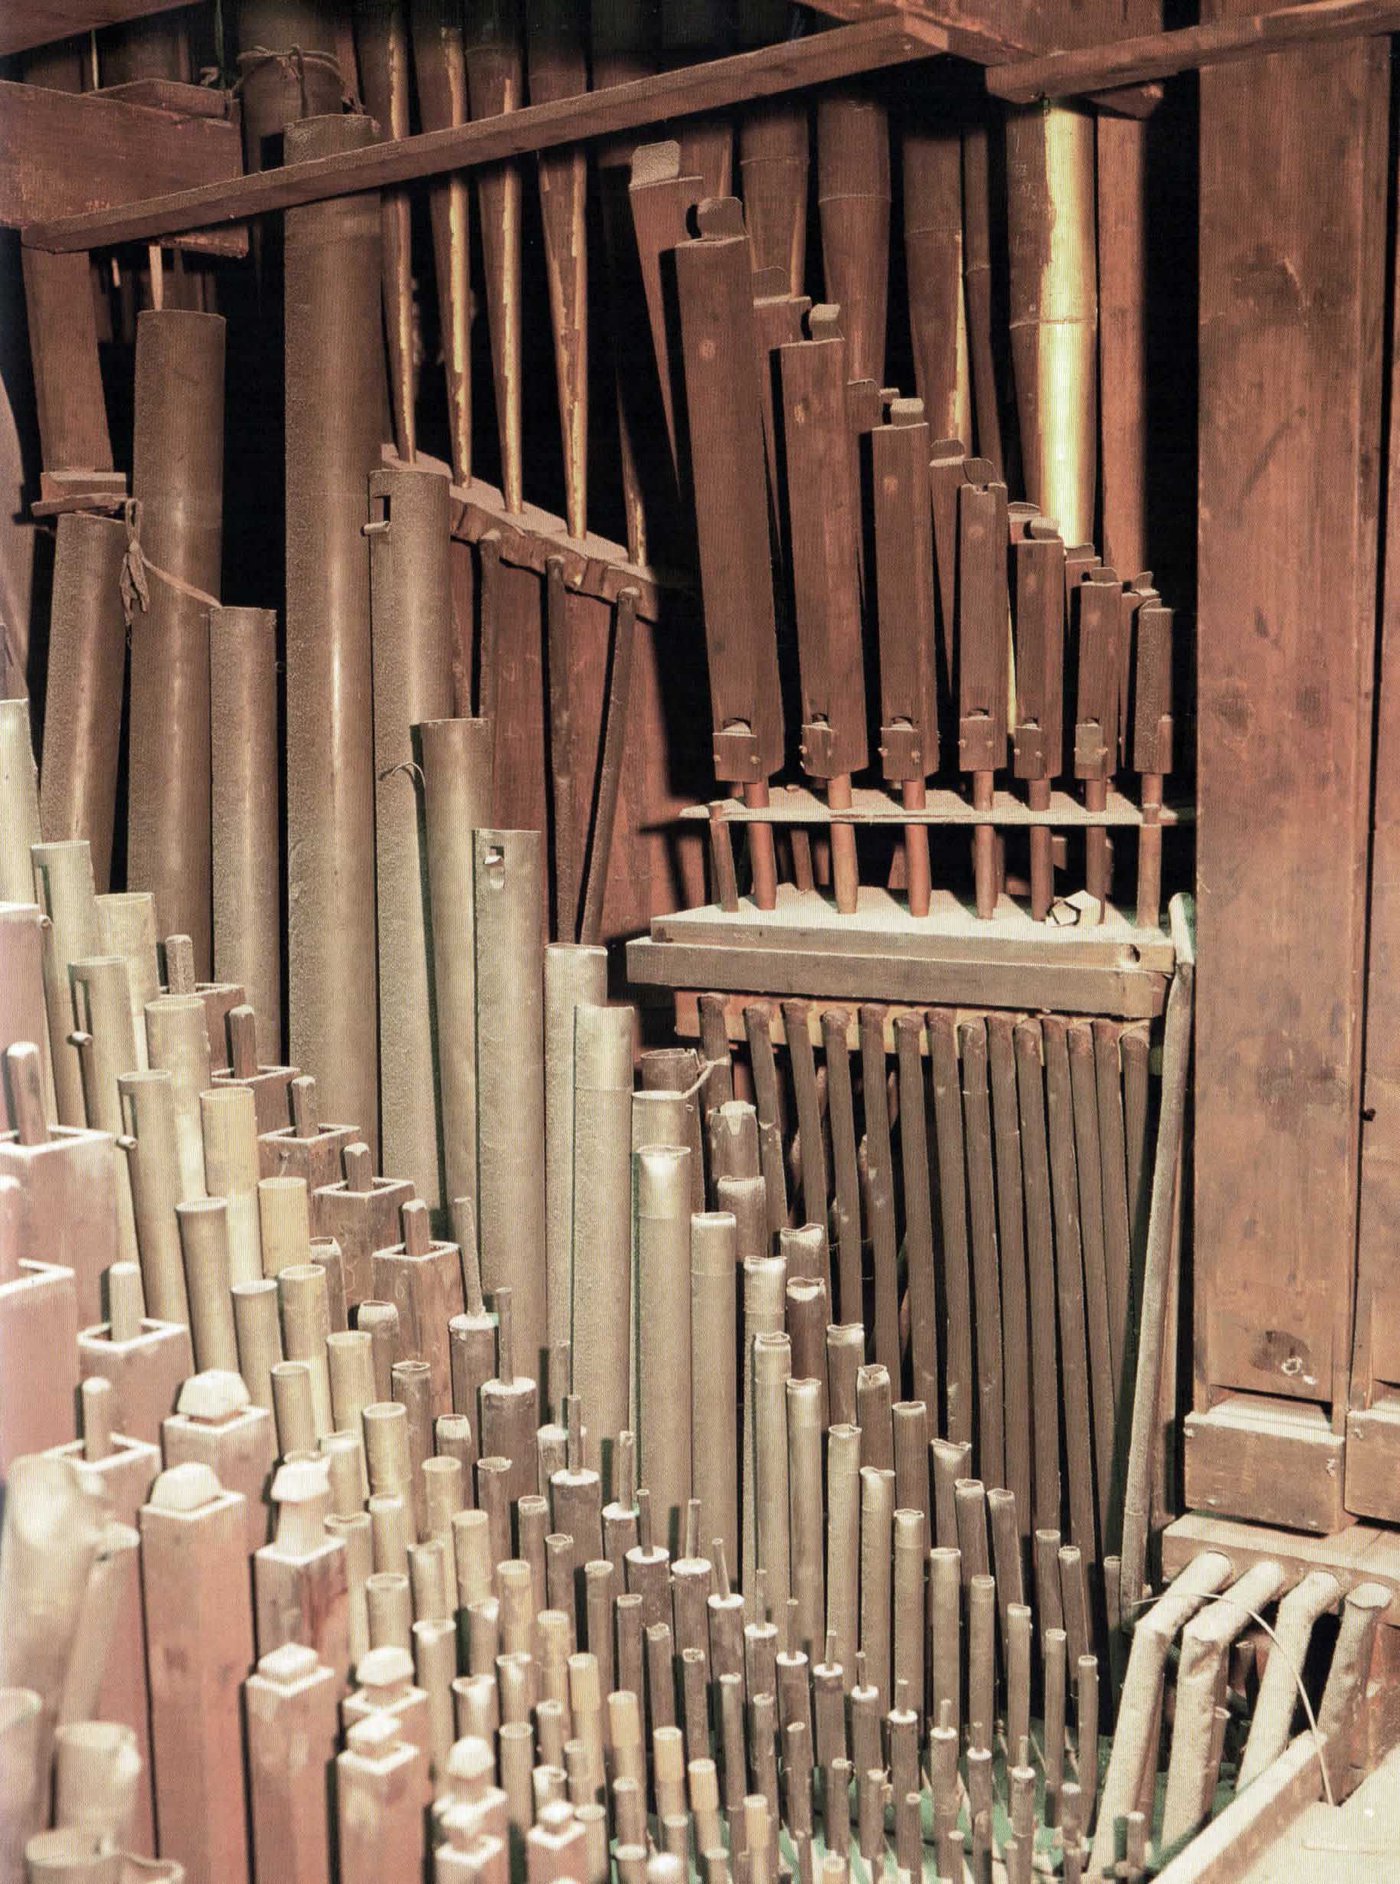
(1291, 258)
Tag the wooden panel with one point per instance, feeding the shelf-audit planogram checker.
(26, 23)
(67, 153)
(1373, 1461)
(1291, 257)
(1274, 1461)
(1376, 1354)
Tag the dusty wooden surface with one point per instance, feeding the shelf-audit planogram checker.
(1292, 182)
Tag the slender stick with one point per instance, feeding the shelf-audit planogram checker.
(610, 769)
(952, 1192)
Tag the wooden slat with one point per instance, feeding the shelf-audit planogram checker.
(1162, 55)
(982, 35)
(717, 83)
(1291, 294)
(65, 154)
(39, 22)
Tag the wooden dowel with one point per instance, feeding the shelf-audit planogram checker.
(960, 1384)
(610, 766)
(835, 1022)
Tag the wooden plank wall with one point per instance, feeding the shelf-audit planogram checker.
(1292, 245)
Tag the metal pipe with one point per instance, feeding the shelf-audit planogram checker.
(334, 368)
(177, 479)
(244, 809)
(86, 674)
(411, 634)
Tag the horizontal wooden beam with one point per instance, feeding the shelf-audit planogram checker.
(1156, 56)
(66, 154)
(28, 23)
(715, 85)
(987, 38)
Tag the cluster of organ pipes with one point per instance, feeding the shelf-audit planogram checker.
(679, 1508)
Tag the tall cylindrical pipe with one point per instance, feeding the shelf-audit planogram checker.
(247, 896)
(574, 977)
(509, 890)
(411, 619)
(456, 760)
(334, 368)
(87, 668)
(601, 1300)
(19, 803)
(662, 1192)
(1054, 309)
(177, 479)
(63, 890)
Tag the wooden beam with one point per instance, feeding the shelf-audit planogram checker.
(1292, 255)
(78, 153)
(983, 39)
(712, 86)
(28, 23)
(1155, 56)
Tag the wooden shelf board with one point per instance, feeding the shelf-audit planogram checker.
(882, 953)
(798, 804)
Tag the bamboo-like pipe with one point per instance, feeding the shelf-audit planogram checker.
(126, 926)
(204, 1240)
(508, 890)
(333, 375)
(945, 1634)
(764, 1290)
(148, 1109)
(574, 977)
(86, 670)
(102, 1010)
(876, 1557)
(1054, 309)
(1123, 293)
(177, 1040)
(177, 479)
(1205, 1644)
(19, 796)
(244, 813)
(662, 1245)
(843, 1546)
(599, 1309)
(853, 197)
(305, 1313)
(228, 1119)
(772, 1367)
(495, 84)
(713, 1377)
(456, 760)
(381, 35)
(773, 160)
(1134, 1744)
(559, 69)
(62, 879)
(1277, 1699)
(441, 75)
(411, 622)
(259, 1336)
(933, 248)
(977, 288)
